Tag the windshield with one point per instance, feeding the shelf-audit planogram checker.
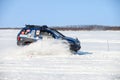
(58, 33)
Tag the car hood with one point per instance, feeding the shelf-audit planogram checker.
(70, 39)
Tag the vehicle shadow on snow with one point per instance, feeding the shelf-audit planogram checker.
(82, 53)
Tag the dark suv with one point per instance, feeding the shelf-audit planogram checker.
(32, 33)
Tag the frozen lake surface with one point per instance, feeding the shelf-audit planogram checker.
(99, 58)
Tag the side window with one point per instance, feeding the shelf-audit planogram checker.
(46, 35)
(37, 32)
(27, 33)
(32, 33)
(23, 33)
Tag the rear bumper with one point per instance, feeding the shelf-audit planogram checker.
(25, 41)
(19, 43)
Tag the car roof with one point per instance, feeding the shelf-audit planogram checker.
(44, 27)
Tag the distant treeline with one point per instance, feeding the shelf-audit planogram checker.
(80, 27)
(88, 27)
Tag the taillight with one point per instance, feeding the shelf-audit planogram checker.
(18, 38)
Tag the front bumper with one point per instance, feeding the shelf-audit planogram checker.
(75, 47)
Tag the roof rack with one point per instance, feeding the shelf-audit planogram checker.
(36, 26)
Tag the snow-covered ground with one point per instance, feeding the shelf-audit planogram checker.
(99, 58)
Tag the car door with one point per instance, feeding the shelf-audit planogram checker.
(47, 34)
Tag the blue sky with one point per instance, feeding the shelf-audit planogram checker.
(59, 12)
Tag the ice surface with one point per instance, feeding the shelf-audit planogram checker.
(99, 58)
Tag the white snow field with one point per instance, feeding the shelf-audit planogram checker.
(98, 59)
